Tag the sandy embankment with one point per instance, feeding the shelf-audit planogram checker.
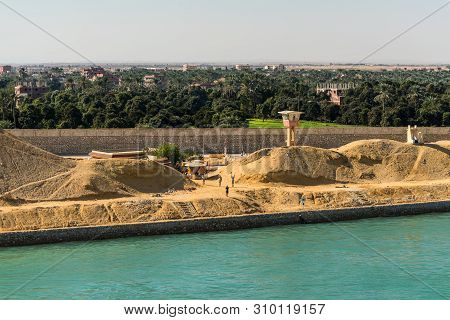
(40, 190)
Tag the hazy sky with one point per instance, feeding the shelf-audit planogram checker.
(224, 31)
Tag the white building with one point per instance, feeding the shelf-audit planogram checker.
(189, 67)
(275, 67)
(243, 67)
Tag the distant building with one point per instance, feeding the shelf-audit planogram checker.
(157, 69)
(111, 78)
(90, 73)
(96, 73)
(273, 67)
(189, 67)
(336, 91)
(208, 85)
(30, 89)
(242, 67)
(150, 80)
(69, 70)
(5, 69)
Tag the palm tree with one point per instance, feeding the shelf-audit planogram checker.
(22, 75)
(413, 99)
(13, 107)
(382, 98)
(4, 102)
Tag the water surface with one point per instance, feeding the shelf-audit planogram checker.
(383, 258)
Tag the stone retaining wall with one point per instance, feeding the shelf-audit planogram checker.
(216, 224)
(83, 141)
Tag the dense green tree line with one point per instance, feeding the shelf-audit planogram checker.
(394, 98)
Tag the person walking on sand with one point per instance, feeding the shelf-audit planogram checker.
(302, 201)
(203, 178)
(232, 180)
(227, 189)
(220, 181)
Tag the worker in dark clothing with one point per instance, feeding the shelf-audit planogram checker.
(227, 189)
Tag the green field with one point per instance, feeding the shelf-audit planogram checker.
(272, 123)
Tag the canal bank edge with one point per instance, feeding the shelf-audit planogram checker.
(90, 233)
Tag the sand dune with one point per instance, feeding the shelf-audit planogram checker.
(31, 174)
(365, 161)
(22, 163)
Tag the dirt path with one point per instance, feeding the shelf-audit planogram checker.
(211, 190)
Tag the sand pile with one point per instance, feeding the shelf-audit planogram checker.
(22, 163)
(389, 161)
(102, 179)
(365, 161)
(28, 173)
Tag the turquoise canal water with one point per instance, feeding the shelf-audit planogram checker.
(384, 258)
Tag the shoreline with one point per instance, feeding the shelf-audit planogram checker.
(214, 224)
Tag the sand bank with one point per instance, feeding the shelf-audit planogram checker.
(92, 233)
(39, 190)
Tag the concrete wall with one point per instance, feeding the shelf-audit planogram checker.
(82, 141)
(215, 224)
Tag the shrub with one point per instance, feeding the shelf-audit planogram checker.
(170, 151)
(6, 124)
